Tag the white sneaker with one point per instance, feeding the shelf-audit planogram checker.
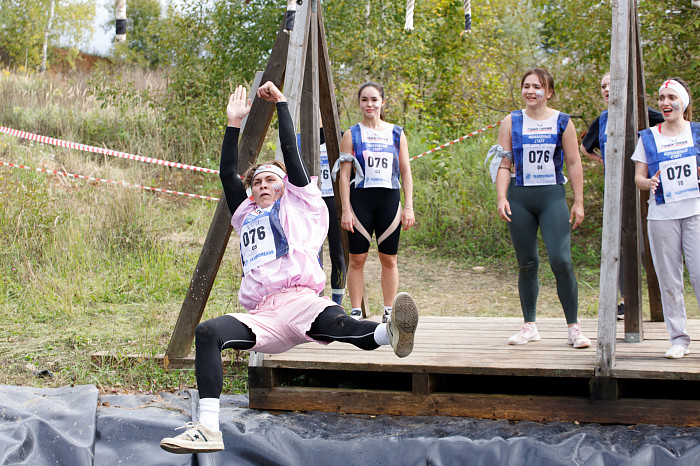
(402, 323)
(527, 333)
(576, 338)
(356, 314)
(196, 439)
(676, 352)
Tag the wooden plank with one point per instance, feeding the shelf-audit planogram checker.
(220, 229)
(615, 150)
(513, 407)
(108, 358)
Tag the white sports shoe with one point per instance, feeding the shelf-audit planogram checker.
(576, 338)
(402, 323)
(196, 439)
(356, 314)
(527, 333)
(676, 352)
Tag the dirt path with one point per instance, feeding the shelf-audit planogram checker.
(454, 288)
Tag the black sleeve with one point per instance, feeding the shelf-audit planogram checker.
(234, 190)
(655, 117)
(296, 170)
(590, 140)
(322, 136)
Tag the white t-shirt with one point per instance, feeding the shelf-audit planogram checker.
(670, 210)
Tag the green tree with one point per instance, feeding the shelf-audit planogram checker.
(23, 24)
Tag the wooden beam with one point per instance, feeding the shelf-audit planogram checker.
(220, 229)
(615, 152)
(331, 125)
(655, 308)
(513, 407)
(295, 63)
(309, 108)
(632, 276)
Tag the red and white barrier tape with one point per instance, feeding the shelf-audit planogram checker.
(458, 140)
(122, 183)
(99, 150)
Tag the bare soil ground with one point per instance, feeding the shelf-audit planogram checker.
(445, 287)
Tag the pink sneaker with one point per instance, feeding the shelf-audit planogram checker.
(527, 333)
(576, 338)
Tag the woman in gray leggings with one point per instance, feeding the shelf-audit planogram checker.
(536, 141)
(667, 159)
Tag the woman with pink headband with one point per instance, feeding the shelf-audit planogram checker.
(281, 228)
(667, 160)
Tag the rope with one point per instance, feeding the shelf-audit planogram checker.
(457, 140)
(99, 150)
(467, 17)
(122, 183)
(408, 26)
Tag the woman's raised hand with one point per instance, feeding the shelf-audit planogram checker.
(271, 93)
(238, 107)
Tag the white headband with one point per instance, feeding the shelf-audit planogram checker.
(679, 89)
(269, 168)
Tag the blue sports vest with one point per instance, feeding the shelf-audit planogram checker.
(603, 132)
(359, 148)
(654, 158)
(251, 236)
(516, 133)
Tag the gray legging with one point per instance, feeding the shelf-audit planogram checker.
(544, 207)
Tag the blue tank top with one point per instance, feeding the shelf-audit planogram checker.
(659, 160)
(378, 155)
(603, 132)
(537, 151)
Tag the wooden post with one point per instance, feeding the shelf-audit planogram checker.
(309, 123)
(654, 292)
(220, 230)
(296, 59)
(329, 116)
(630, 206)
(615, 151)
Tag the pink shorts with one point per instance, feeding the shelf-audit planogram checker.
(280, 321)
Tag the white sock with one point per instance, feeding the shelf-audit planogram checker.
(209, 413)
(387, 310)
(381, 337)
(359, 309)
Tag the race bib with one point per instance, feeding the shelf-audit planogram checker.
(679, 178)
(538, 164)
(257, 240)
(326, 182)
(379, 167)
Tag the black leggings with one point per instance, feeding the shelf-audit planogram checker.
(335, 246)
(220, 333)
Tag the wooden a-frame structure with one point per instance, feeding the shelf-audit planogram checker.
(299, 59)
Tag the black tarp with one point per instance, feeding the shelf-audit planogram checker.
(74, 426)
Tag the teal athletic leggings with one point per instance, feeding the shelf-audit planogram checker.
(544, 207)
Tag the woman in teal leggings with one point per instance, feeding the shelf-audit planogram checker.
(536, 141)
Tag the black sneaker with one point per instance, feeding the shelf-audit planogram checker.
(621, 311)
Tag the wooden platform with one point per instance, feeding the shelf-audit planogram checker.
(464, 367)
